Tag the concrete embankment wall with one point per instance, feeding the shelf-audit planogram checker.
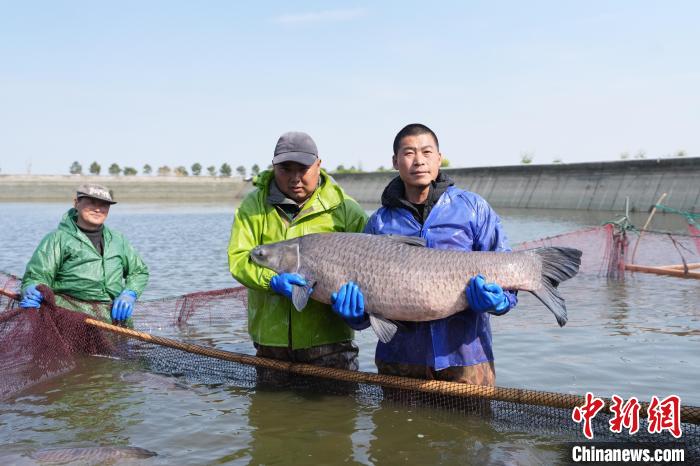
(587, 186)
(584, 186)
(36, 188)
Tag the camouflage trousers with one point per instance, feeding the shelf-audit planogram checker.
(341, 355)
(478, 374)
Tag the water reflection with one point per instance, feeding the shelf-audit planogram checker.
(636, 337)
(618, 310)
(296, 427)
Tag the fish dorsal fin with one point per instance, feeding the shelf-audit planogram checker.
(410, 240)
(385, 329)
(301, 294)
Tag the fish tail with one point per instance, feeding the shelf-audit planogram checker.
(558, 264)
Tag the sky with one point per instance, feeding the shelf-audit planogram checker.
(178, 82)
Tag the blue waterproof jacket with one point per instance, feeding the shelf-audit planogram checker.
(458, 220)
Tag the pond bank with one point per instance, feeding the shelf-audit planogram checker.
(600, 186)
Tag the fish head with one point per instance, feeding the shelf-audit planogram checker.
(281, 257)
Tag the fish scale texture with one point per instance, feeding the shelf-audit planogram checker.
(406, 282)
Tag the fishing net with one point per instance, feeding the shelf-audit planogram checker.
(37, 345)
(618, 248)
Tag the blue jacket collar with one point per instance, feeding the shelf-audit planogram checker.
(394, 195)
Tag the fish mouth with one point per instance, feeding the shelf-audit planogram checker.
(257, 254)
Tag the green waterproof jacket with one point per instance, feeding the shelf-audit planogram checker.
(272, 319)
(68, 263)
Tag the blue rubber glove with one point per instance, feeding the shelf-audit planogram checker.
(349, 303)
(123, 306)
(282, 283)
(486, 297)
(31, 298)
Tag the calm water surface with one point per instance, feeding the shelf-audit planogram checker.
(634, 338)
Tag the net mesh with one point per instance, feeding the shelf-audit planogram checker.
(36, 345)
(611, 249)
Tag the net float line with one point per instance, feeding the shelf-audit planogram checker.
(689, 414)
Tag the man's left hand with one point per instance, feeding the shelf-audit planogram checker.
(486, 297)
(124, 305)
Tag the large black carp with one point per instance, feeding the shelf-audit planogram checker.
(403, 280)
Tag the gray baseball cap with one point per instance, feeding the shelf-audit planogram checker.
(95, 191)
(295, 147)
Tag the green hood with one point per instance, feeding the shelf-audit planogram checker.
(327, 196)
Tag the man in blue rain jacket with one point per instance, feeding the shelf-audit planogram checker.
(422, 201)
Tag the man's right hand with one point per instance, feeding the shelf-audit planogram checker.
(349, 303)
(31, 298)
(283, 283)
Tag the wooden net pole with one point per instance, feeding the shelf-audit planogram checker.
(651, 216)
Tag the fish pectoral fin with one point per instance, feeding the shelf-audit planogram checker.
(410, 240)
(385, 329)
(300, 295)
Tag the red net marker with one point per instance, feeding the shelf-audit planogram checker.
(696, 233)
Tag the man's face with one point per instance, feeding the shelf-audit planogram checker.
(91, 212)
(417, 160)
(297, 181)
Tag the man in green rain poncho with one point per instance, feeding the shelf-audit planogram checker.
(295, 198)
(89, 267)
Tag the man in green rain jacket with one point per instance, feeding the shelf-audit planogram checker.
(296, 198)
(89, 267)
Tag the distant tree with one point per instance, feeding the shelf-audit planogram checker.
(624, 155)
(445, 162)
(255, 170)
(269, 167)
(129, 171)
(147, 169)
(212, 170)
(76, 168)
(680, 153)
(95, 168)
(164, 170)
(526, 157)
(641, 155)
(340, 169)
(225, 170)
(181, 171)
(557, 160)
(240, 170)
(114, 169)
(196, 169)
